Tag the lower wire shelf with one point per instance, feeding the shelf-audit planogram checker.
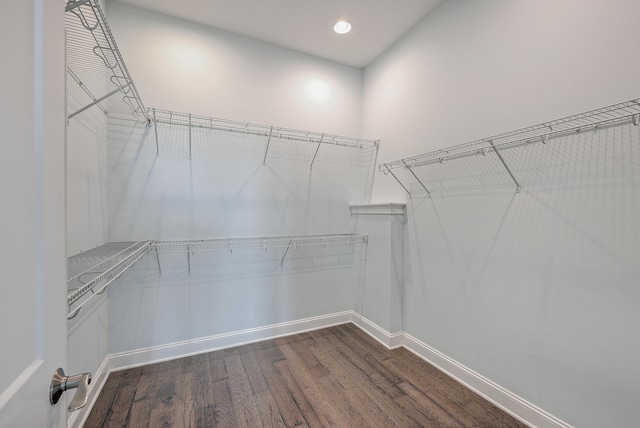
(92, 271)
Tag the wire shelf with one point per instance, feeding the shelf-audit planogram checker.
(263, 242)
(217, 124)
(426, 176)
(606, 116)
(94, 60)
(99, 267)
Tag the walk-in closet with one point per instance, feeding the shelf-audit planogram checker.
(225, 213)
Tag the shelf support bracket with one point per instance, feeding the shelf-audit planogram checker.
(99, 100)
(158, 260)
(518, 188)
(317, 149)
(84, 88)
(189, 257)
(155, 128)
(189, 136)
(394, 176)
(416, 177)
(264, 159)
(635, 119)
(284, 254)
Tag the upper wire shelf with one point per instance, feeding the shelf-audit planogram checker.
(94, 60)
(613, 115)
(602, 117)
(267, 131)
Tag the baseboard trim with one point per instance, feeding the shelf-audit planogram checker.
(126, 360)
(511, 403)
(499, 396)
(389, 340)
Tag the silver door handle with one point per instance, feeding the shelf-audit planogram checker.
(61, 383)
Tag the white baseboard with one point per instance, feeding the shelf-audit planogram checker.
(389, 340)
(499, 396)
(514, 405)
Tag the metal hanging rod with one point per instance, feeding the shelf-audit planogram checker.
(93, 54)
(104, 279)
(266, 131)
(263, 243)
(616, 114)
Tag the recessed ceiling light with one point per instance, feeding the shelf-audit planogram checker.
(342, 27)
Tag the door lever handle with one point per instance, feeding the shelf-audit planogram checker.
(61, 383)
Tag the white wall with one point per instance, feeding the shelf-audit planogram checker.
(470, 70)
(224, 188)
(537, 291)
(182, 66)
(227, 292)
(86, 174)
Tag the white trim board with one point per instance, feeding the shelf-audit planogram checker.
(497, 395)
(378, 209)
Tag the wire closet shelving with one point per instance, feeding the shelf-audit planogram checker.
(94, 61)
(493, 147)
(91, 272)
(267, 132)
(94, 270)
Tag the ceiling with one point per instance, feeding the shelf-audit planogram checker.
(307, 25)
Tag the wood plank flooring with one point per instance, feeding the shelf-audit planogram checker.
(334, 377)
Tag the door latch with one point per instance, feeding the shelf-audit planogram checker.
(61, 383)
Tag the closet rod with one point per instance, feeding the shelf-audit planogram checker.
(226, 125)
(612, 115)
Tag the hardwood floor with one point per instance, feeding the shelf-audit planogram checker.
(335, 377)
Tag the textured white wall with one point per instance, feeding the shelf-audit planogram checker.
(537, 291)
(182, 66)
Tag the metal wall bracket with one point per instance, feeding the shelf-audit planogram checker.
(189, 136)
(388, 171)
(416, 177)
(264, 159)
(317, 149)
(284, 253)
(155, 128)
(158, 260)
(506, 167)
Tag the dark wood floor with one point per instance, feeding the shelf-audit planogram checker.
(335, 377)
